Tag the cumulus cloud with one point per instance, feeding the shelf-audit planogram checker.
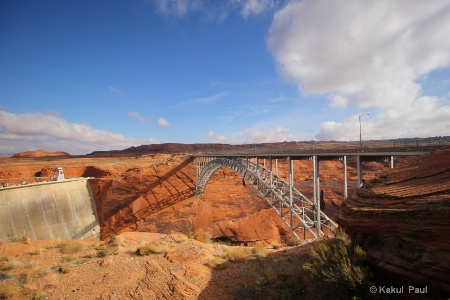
(163, 122)
(368, 54)
(30, 131)
(137, 116)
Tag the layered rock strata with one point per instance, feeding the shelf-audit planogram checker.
(402, 220)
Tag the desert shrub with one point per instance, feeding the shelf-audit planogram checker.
(71, 247)
(147, 250)
(260, 251)
(337, 271)
(217, 263)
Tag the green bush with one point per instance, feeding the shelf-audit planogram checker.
(336, 270)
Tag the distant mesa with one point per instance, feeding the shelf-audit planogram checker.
(39, 153)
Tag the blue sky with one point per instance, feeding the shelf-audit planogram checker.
(81, 76)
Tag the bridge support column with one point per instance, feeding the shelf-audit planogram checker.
(391, 162)
(271, 180)
(359, 170)
(344, 161)
(291, 185)
(316, 181)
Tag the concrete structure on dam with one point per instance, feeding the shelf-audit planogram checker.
(50, 210)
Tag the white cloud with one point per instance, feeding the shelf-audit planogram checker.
(217, 10)
(369, 54)
(266, 135)
(114, 90)
(427, 116)
(255, 7)
(212, 137)
(22, 132)
(137, 116)
(163, 122)
(203, 100)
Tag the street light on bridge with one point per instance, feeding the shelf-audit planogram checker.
(360, 140)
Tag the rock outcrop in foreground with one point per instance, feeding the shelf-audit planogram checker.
(402, 220)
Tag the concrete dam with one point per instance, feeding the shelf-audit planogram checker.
(50, 210)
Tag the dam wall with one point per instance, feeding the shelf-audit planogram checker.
(50, 210)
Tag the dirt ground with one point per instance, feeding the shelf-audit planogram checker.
(68, 269)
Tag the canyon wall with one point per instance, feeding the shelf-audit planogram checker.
(402, 220)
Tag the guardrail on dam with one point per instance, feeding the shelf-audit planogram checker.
(49, 210)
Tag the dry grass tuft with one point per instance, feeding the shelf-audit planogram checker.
(147, 250)
(115, 240)
(238, 253)
(260, 251)
(57, 243)
(108, 250)
(91, 253)
(72, 247)
(65, 270)
(34, 272)
(26, 239)
(36, 250)
(217, 263)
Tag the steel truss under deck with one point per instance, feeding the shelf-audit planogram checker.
(297, 212)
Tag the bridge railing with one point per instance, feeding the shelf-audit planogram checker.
(404, 145)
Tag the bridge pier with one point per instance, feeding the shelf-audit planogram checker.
(316, 180)
(344, 162)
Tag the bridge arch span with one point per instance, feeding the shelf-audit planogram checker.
(301, 215)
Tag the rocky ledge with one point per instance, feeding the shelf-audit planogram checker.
(402, 220)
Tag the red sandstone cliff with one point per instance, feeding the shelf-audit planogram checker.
(402, 220)
(40, 153)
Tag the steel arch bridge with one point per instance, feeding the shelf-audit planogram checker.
(302, 216)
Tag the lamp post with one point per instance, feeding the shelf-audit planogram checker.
(360, 140)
